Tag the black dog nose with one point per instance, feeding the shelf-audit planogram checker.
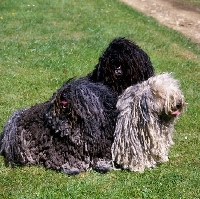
(63, 95)
(178, 105)
(118, 71)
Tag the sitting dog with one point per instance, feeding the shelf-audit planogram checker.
(73, 131)
(123, 64)
(147, 113)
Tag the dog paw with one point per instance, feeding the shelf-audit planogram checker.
(70, 170)
(102, 166)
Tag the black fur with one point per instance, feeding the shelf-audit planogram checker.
(73, 131)
(121, 65)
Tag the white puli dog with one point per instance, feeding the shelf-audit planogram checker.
(147, 113)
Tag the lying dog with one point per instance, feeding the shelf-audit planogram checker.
(73, 131)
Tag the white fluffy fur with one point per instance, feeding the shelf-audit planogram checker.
(145, 123)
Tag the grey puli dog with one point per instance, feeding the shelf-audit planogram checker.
(145, 123)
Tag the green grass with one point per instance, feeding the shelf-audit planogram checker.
(43, 43)
(188, 2)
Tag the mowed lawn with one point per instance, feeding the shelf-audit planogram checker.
(44, 43)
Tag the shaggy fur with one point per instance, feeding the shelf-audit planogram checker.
(145, 123)
(73, 131)
(123, 64)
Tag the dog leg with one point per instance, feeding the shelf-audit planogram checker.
(70, 170)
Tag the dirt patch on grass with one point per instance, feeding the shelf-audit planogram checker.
(181, 17)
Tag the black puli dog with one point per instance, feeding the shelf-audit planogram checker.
(73, 131)
(121, 65)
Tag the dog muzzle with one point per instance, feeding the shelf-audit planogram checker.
(175, 113)
(64, 103)
(118, 71)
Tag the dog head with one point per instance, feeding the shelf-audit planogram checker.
(82, 104)
(160, 96)
(121, 65)
(168, 99)
(61, 101)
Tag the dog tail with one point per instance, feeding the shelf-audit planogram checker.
(8, 138)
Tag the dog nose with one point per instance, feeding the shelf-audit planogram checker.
(118, 71)
(64, 95)
(178, 105)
